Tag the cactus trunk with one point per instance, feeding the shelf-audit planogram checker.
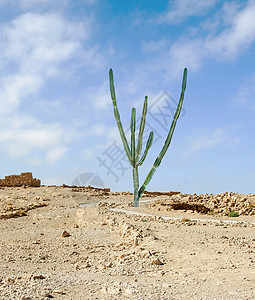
(136, 186)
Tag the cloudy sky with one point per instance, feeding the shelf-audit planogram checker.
(56, 115)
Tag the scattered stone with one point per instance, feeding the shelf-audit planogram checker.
(65, 234)
(59, 292)
(109, 264)
(157, 262)
(36, 242)
(87, 265)
(48, 295)
(38, 277)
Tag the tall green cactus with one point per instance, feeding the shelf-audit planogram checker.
(133, 153)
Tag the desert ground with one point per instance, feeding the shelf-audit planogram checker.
(174, 246)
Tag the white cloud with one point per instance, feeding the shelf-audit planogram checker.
(53, 180)
(234, 37)
(153, 46)
(16, 87)
(99, 97)
(219, 137)
(33, 49)
(29, 3)
(40, 43)
(105, 136)
(89, 153)
(89, 2)
(187, 54)
(208, 140)
(55, 154)
(246, 94)
(33, 4)
(180, 10)
(101, 130)
(23, 135)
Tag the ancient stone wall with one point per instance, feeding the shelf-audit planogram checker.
(24, 179)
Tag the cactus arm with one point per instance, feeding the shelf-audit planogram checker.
(168, 139)
(146, 182)
(132, 129)
(176, 116)
(117, 117)
(141, 129)
(148, 145)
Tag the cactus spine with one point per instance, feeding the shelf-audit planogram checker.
(133, 153)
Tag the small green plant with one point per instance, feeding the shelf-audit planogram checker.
(133, 152)
(233, 214)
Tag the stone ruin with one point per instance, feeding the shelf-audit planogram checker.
(24, 179)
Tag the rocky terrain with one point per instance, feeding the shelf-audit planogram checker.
(174, 246)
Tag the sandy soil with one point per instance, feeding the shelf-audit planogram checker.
(53, 248)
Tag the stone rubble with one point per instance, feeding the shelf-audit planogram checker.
(113, 255)
(222, 204)
(24, 179)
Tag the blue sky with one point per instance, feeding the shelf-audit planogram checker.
(56, 115)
